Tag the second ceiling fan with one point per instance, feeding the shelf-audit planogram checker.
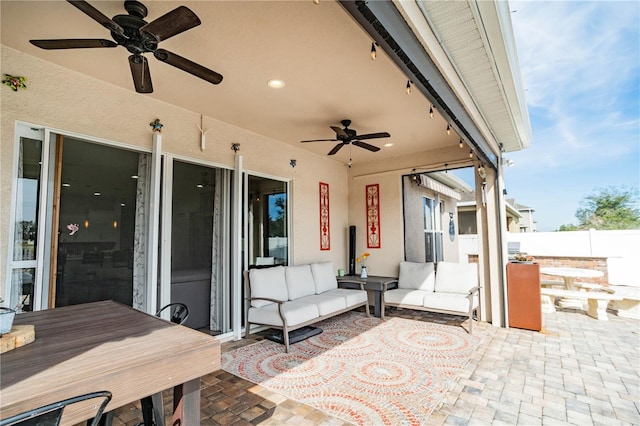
(139, 37)
(348, 136)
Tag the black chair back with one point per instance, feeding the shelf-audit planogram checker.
(50, 415)
(179, 312)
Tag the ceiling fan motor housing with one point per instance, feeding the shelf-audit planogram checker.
(132, 40)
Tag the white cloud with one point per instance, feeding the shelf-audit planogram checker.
(580, 64)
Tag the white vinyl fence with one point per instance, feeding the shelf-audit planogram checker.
(621, 248)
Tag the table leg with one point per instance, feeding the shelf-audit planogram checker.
(186, 403)
(569, 284)
(377, 303)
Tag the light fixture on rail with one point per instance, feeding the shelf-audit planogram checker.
(408, 88)
(373, 50)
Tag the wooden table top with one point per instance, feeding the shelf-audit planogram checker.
(100, 346)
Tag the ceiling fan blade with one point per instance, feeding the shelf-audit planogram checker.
(188, 66)
(178, 20)
(140, 73)
(72, 43)
(374, 136)
(366, 146)
(98, 16)
(320, 140)
(336, 148)
(340, 132)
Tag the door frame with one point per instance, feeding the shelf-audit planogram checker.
(43, 278)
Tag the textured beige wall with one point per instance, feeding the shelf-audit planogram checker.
(388, 174)
(65, 100)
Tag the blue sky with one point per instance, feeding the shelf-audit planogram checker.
(580, 65)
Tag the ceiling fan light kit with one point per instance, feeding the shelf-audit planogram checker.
(139, 37)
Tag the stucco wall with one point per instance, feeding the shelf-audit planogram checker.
(71, 102)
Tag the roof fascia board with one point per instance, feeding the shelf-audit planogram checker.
(423, 29)
(495, 20)
(384, 23)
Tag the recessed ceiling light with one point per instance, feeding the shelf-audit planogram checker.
(66, 185)
(388, 144)
(275, 83)
(97, 194)
(134, 176)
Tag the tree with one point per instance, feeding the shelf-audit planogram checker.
(608, 208)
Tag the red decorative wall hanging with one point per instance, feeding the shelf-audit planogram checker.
(373, 216)
(324, 217)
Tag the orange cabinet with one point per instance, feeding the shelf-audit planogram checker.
(523, 295)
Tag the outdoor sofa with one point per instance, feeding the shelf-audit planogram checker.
(292, 297)
(445, 287)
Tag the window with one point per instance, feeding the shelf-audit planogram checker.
(432, 230)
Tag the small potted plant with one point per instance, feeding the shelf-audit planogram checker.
(524, 258)
(6, 318)
(364, 270)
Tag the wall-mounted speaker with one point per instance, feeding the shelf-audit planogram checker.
(352, 250)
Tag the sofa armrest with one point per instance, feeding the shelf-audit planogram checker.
(279, 302)
(385, 285)
(268, 299)
(474, 290)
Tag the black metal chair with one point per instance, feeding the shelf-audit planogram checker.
(153, 406)
(179, 312)
(50, 415)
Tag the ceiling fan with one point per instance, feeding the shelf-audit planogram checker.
(139, 37)
(348, 136)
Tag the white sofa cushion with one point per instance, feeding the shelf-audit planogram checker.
(268, 282)
(326, 304)
(299, 281)
(324, 276)
(295, 313)
(352, 297)
(455, 302)
(405, 296)
(456, 277)
(416, 276)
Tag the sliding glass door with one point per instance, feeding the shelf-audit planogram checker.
(96, 227)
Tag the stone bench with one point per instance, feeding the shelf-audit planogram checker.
(597, 300)
(629, 306)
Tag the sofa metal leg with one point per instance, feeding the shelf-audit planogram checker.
(285, 337)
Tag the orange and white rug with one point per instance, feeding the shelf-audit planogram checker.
(362, 370)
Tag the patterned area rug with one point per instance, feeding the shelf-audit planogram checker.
(362, 370)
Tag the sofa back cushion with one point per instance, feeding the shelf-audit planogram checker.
(324, 277)
(454, 277)
(299, 281)
(268, 282)
(416, 276)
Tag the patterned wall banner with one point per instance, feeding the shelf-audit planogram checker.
(373, 216)
(325, 241)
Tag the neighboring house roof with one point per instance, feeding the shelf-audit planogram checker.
(468, 203)
(520, 207)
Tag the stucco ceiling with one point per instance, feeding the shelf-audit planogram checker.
(317, 49)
